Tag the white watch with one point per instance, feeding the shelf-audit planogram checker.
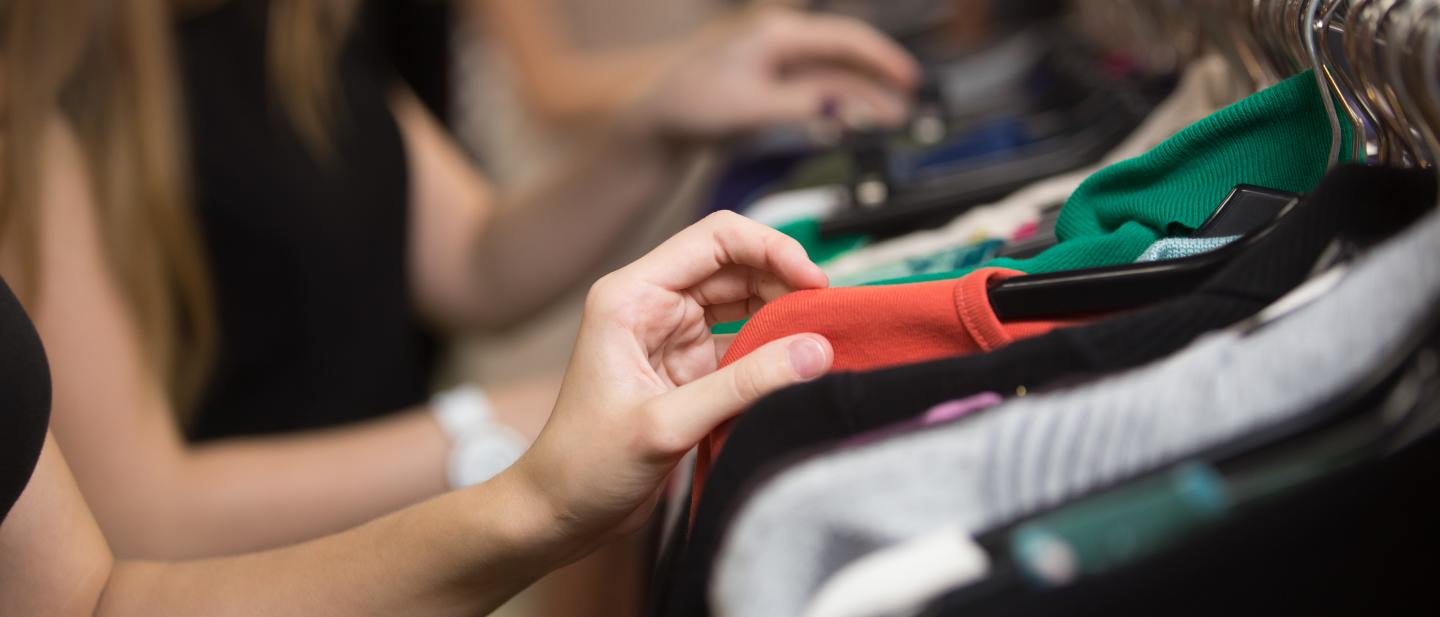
(480, 447)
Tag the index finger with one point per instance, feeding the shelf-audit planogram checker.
(722, 239)
(832, 38)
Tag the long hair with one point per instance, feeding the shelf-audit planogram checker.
(304, 39)
(107, 67)
(303, 46)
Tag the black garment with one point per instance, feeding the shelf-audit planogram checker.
(308, 257)
(24, 399)
(1359, 200)
(1348, 545)
(415, 35)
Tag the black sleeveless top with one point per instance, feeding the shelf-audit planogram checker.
(308, 258)
(24, 399)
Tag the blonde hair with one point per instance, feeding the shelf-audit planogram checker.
(304, 39)
(107, 68)
(303, 46)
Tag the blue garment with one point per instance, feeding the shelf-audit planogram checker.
(982, 141)
(1166, 249)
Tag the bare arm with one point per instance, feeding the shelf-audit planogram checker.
(562, 84)
(461, 554)
(155, 495)
(478, 263)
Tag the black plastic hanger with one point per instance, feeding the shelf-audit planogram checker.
(1114, 288)
(1091, 120)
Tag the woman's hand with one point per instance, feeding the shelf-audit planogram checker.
(642, 386)
(774, 65)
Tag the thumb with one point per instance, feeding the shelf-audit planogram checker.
(699, 406)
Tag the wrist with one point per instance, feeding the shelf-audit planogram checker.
(530, 521)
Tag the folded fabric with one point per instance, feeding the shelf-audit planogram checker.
(840, 406)
(1205, 87)
(1041, 450)
(874, 327)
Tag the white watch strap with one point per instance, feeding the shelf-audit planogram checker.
(480, 447)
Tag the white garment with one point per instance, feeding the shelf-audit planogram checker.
(1205, 87)
(790, 206)
(902, 578)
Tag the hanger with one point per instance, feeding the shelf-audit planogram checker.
(1365, 144)
(1126, 286)
(1359, 49)
(1388, 49)
(1322, 82)
(1404, 64)
(1423, 46)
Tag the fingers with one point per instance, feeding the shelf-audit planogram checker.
(691, 411)
(727, 239)
(858, 102)
(736, 284)
(806, 39)
(732, 311)
(722, 344)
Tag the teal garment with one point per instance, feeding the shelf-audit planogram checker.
(1166, 249)
(729, 327)
(1277, 138)
(967, 256)
(821, 250)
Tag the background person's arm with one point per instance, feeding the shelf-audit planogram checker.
(558, 81)
(476, 263)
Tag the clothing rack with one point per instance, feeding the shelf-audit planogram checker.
(1376, 60)
(864, 502)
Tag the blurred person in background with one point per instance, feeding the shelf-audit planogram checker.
(213, 320)
(641, 389)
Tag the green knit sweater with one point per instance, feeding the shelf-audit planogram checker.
(1277, 138)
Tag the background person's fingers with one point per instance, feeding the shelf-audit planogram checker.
(858, 101)
(691, 411)
(829, 38)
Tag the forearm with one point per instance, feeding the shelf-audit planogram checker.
(562, 84)
(253, 494)
(547, 241)
(464, 553)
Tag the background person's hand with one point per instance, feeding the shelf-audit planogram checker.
(775, 66)
(642, 386)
